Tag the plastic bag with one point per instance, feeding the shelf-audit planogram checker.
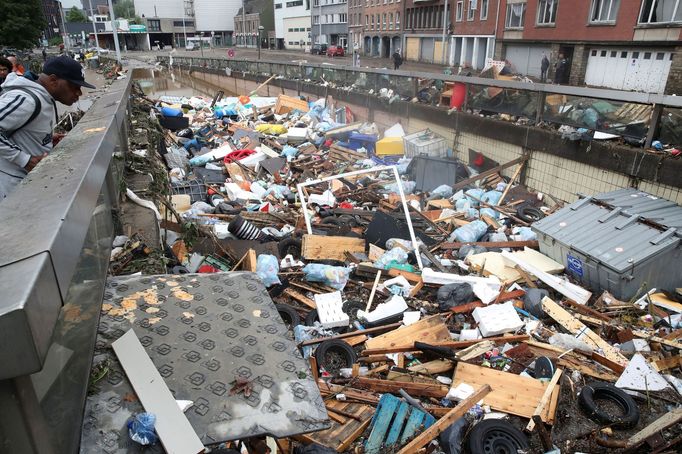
(408, 187)
(492, 197)
(333, 276)
(141, 429)
(267, 267)
(289, 152)
(467, 250)
(469, 233)
(524, 234)
(443, 191)
(452, 295)
(477, 193)
(489, 212)
(395, 255)
(568, 342)
(271, 129)
(451, 439)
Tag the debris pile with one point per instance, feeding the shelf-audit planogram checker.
(421, 289)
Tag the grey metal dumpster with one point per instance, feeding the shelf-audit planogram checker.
(617, 241)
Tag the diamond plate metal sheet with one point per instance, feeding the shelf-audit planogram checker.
(202, 331)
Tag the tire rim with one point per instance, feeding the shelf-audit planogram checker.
(500, 442)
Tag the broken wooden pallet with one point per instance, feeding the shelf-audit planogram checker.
(395, 422)
(340, 435)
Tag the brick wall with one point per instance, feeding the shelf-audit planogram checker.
(674, 85)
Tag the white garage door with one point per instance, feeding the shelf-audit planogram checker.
(637, 70)
(526, 59)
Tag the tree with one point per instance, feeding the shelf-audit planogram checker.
(125, 9)
(75, 15)
(21, 23)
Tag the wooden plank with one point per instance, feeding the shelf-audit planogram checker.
(376, 329)
(300, 297)
(493, 244)
(510, 393)
(429, 330)
(451, 344)
(175, 432)
(436, 366)
(443, 423)
(665, 421)
(414, 389)
(660, 340)
(374, 289)
(544, 401)
(578, 328)
(467, 181)
(667, 363)
(319, 247)
(412, 425)
(397, 425)
(250, 261)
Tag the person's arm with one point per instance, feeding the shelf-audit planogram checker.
(15, 108)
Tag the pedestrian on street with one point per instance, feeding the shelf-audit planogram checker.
(44, 54)
(397, 59)
(5, 69)
(28, 114)
(544, 66)
(561, 70)
(17, 67)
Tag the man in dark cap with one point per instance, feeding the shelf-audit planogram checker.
(28, 114)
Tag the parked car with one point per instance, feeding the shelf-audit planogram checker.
(335, 51)
(318, 49)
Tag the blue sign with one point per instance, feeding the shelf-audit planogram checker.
(575, 265)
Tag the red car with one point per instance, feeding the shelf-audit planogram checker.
(335, 51)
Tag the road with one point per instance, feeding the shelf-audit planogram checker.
(290, 56)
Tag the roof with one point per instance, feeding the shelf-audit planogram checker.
(619, 235)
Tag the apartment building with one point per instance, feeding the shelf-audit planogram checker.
(423, 25)
(330, 22)
(356, 24)
(383, 27)
(292, 24)
(257, 26)
(621, 44)
(473, 39)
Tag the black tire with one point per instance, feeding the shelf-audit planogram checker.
(343, 355)
(594, 391)
(529, 214)
(311, 318)
(544, 368)
(290, 246)
(331, 220)
(289, 315)
(494, 436)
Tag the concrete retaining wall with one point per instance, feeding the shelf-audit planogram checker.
(557, 167)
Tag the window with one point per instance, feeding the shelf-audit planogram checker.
(604, 10)
(188, 23)
(624, 54)
(397, 20)
(660, 56)
(378, 23)
(390, 21)
(660, 11)
(296, 3)
(547, 12)
(366, 20)
(647, 55)
(372, 23)
(515, 15)
(460, 11)
(316, 20)
(316, 3)
(343, 18)
(484, 9)
(154, 25)
(291, 30)
(603, 53)
(384, 21)
(471, 10)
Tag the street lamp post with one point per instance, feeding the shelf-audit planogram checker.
(260, 30)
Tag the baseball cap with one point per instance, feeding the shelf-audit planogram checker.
(68, 69)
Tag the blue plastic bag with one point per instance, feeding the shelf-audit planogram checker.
(267, 267)
(471, 232)
(398, 255)
(333, 276)
(141, 429)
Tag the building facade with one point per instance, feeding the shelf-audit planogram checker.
(247, 27)
(382, 27)
(292, 24)
(473, 33)
(626, 45)
(53, 17)
(216, 18)
(356, 25)
(424, 24)
(92, 7)
(330, 22)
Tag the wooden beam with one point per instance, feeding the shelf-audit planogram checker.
(300, 297)
(414, 389)
(319, 247)
(545, 399)
(376, 329)
(467, 181)
(665, 421)
(450, 344)
(446, 421)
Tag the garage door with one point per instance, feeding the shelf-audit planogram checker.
(526, 59)
(412, 51)
(623, 69)
(427, 46)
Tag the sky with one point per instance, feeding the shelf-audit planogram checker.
(67, 4)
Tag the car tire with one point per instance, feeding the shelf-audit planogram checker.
(311, 317)
(289, 315)
(290, 246)
(494, 436)
(594, 391)
(530, 214)
(340, 349)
